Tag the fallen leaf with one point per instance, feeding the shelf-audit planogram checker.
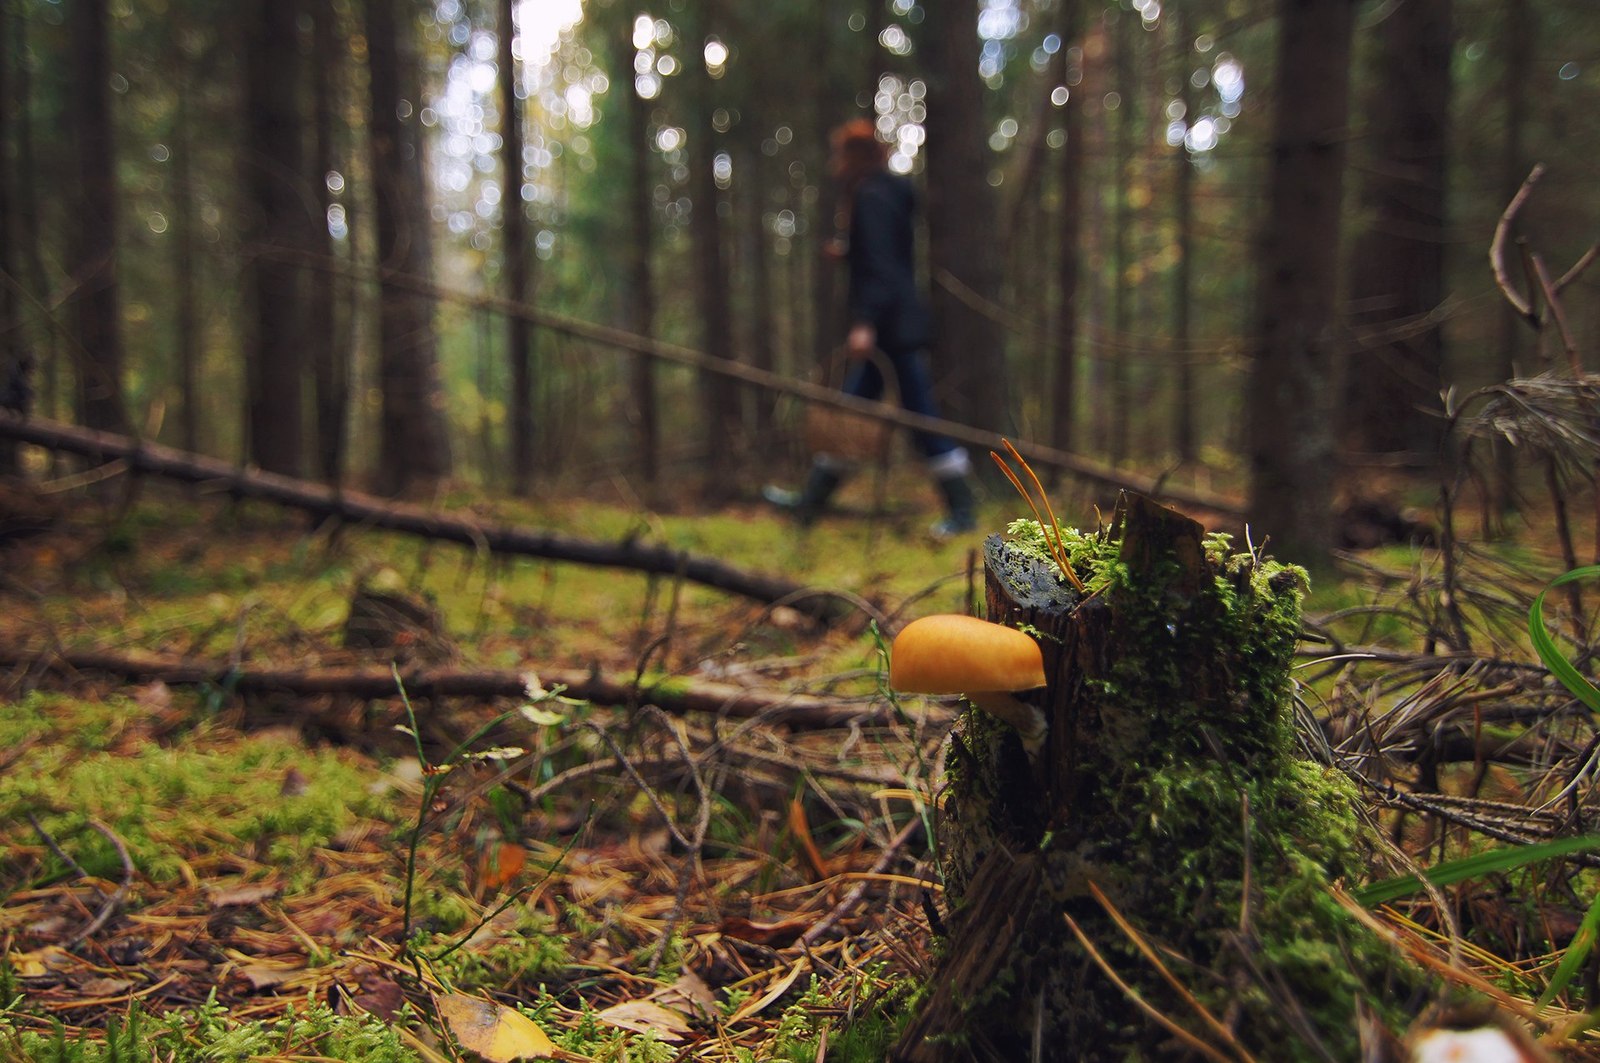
(497, 1033)
(499, 863)
(643, 1016)
(689, 995)
(776, 935)
(52, 959)
(755, 1005)
(384, 1000)
(243, 896)
(261, 976)
(104, 987)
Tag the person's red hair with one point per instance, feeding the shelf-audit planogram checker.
(857, 151)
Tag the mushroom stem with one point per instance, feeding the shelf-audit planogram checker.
(1028, 720)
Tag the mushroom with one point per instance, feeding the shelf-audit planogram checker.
(988, 663)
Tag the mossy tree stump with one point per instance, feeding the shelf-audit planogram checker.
(1171, 792)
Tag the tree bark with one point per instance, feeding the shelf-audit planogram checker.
(186, 312)
(329, 358)
(1518, 39)
(719, 398)
(1289, 398)
(639, 299)
(970, 346)
(757, 269)
(515, 265)
(45, 344)
(16, 362)
(1184, 442)
(273, 164)
(1169, 795)
(1118, 401)
(413, 446)
(1397, 269)
(1069, 229)
(97, 308)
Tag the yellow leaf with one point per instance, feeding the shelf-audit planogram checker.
(497, 1033)
(642, 1016)
(52, 959)
(779, 988)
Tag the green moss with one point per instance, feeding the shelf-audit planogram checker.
(163, 802)
(1188, 775)
(208, 1033)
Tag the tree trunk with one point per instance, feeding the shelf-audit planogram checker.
(1169, 793)
(1289, 400)
(330, 359)
(514, 259)
(1397, 270)
(413, 447)
(823, 329)
(1069, 229)
(184, 237)
(1184, 443)
(273, 164)
(1518, 40)
(758, 273)
(97, 311)
(1119, 399)
(639, 298)
(961, 213)
(719, 396)
(16, 363)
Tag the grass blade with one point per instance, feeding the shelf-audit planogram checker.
(1545, 646)
(1576, 953)
(1475, 866)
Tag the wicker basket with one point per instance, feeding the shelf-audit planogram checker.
(845, 434)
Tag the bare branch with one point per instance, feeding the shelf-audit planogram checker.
(1497, 258)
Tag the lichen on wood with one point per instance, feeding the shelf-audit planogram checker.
(1171, 795)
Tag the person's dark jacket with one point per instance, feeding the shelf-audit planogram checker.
(883, 271)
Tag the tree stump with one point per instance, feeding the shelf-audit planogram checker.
(1170, 820)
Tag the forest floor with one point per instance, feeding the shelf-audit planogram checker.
(263, 875)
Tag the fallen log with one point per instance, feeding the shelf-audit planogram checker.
(669, 693)
(356, 507)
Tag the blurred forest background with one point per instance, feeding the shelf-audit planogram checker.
(1242, 243)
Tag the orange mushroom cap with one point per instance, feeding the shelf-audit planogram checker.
(952, 654)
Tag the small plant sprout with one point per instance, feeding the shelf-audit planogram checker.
(989, 664)
(1056, 546)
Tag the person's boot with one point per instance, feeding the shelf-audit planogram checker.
(961, 508)
(806, 504)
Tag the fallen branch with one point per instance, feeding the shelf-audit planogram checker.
(110, 903)
(1085, 469)
(358, 508)
(671, 694)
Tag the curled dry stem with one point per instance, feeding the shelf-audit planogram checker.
(1056, 546)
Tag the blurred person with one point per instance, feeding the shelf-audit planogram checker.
(888, 314)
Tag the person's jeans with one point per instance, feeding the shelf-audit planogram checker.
(915, 382)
